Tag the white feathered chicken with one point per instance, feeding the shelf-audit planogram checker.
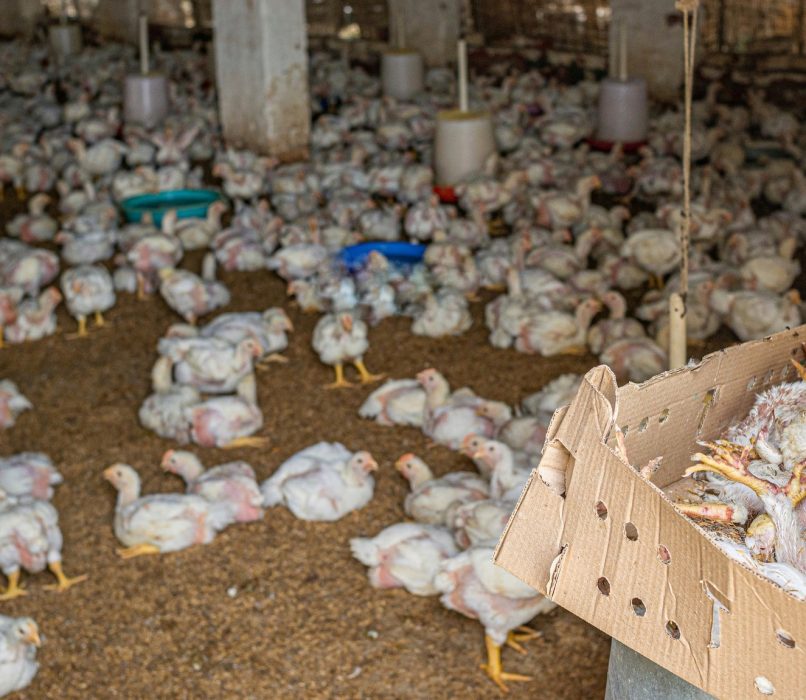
(340, 338)
(88, 289)
(19, 638)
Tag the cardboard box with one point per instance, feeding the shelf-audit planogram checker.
(615, 552)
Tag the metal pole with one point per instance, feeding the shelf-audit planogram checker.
(721, 26)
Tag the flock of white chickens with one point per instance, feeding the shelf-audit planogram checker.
(525, 227)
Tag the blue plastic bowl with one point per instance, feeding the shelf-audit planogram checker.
(188, 203)
(405, 254)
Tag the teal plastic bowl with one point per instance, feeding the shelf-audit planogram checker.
(188, 203)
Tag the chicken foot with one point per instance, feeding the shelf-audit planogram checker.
(64, 582)
(521, 634)
(138, 550)
(99, 319)
(494, 669)
(82, 329)
(275, 357)
(251, 441)
(14, 589)
(575, 350)
(366, 377)
(341, 382)
(712, 510)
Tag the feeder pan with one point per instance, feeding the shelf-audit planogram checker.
(187, 203)
(401, 73)
(607, 146)
(462, 144)
(446, 194)
(145, 99)
(65, 40)
(622, 111)
(403, 254)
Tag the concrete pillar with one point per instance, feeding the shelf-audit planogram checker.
(430, 26)
(631, 676)
(262, 75)
(654, 43)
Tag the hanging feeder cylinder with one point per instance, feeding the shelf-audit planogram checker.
(145, 99)
(462, 144)
(65, 40)
(401, 73)
(623, 111)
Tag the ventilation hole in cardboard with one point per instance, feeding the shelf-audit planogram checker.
(625, 430)
(631, 532)
(785, 371)
(601, 510)
(785, 639)
(769, 377)
(638, 607)
(751, 383)
(672, 629)
(664, 416)
(642, 426)
(764, 685)
(603, 585)
(664, 554)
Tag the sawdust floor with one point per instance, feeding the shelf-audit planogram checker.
(273, 609)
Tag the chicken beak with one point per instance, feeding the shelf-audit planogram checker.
(347, 323)
(480, 454)
(166, 459)
(109, 474)
(372, 466)
(32, 636)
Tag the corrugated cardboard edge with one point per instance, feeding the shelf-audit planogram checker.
(545, 526)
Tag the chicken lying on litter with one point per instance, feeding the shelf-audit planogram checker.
(405, 555)
(232, 484)
(12, 403)
(475, 587)
(322, 482)
(164, 522)
(192, 296)
(431, 499)
(450, 417)
(29, 475)
(30, 539)
(397, 402)
(19, 639)
(36, 318)
(477, 522)
(268, 329)
(340, 338)
(88, 289)
(507, 480)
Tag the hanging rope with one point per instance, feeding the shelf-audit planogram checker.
(689, 9)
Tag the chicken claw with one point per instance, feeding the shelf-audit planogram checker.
(14, 590)
(99, 319)
(522, 634)
(575, 350)
(366, 377)
(493, 667)
(138, 550)
(63, 581)
(269, 359)
(82, 329)
(341, 382)
(258, 442)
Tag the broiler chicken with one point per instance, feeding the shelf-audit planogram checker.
(36, 318)
(232, 484)
(478, 522)
(165, 522)
(431, 498)
(268, 329)
(340, 338)
(88, 289)
(30, 539)
(397, 402)
(19, 639)
(475, 587)
(322, 482)
(12, 403)
(405, 555)
(28, 475)
(192, 296)
(507, 480)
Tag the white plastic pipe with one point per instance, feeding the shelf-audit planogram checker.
(461, 50)
(144, 62)
(622, 54)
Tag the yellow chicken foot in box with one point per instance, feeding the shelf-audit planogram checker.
(494, 670)
(14, 589)
(366, 376)
(63, 581)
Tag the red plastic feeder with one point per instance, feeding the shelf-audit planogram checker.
(446, 194)
(607, 146)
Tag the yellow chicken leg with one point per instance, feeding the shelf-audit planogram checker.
(99, 319)
(341, 382)
(493, 667)
(246, 442)
(575, 350)
(82, 329)
(63, 581)
(14, 590)
(138, 550)
(366, 377)
(522, 634)
(275, 357)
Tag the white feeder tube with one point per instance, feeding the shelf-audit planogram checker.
(461, 50)
(144, 62)
(63, 17)
(622, 54)
(677, 331)
(612, 55)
